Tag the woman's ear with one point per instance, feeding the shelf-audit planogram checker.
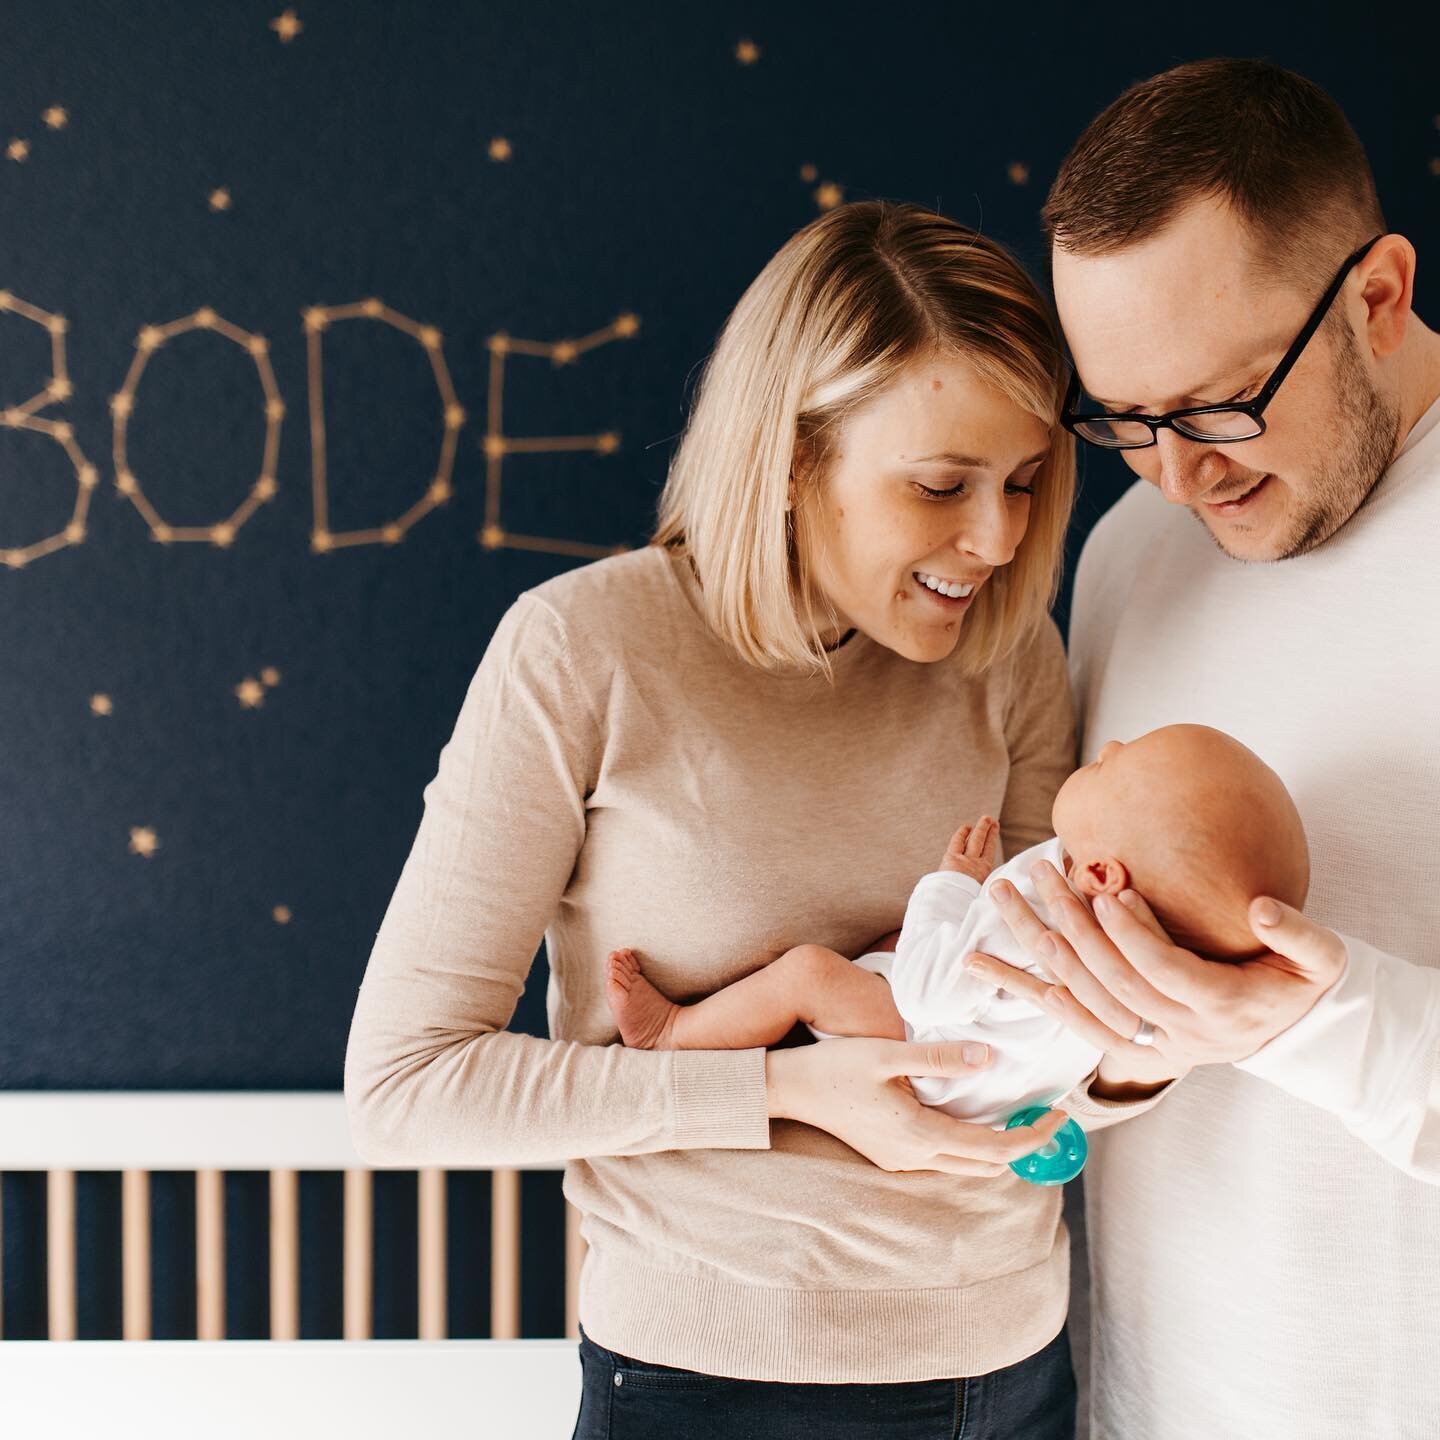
(1101, 877)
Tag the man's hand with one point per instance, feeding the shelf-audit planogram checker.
(1113, 974)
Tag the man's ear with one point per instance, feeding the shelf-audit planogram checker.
(1101, 877)
(1387, 289)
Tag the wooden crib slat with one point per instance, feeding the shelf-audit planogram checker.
(135, 1134)
(60, 1252)
(504, 1255)
(359, 1269)
(135, 1254)
(209, 1254)
(433, 1318)
(284, 1255)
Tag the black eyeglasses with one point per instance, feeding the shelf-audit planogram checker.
(1222, 424)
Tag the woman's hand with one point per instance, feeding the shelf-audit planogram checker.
(857, 1089)
(1124, 969)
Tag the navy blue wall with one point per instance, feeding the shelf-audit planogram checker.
(196, 863)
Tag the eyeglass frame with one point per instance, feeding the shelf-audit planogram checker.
(1254, 408)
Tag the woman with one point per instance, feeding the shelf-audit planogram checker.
(760, 730)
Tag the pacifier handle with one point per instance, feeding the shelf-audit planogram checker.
(1059, 1159)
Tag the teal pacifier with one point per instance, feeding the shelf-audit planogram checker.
(1059, 1159)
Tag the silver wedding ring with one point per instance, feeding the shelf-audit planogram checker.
(1144, 1034)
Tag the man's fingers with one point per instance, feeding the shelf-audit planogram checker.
(1080, 1022)
(1139, 907)
(1096, 964)
(1303, 947)
(1162, 967)
(1022, 921)
(1020, 983)
(1050, 884)
(1092, 992)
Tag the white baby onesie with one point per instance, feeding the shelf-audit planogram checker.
(1034, 1059)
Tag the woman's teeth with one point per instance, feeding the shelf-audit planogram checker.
(953, 588)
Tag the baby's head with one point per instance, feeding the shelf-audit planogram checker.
(1195, 822)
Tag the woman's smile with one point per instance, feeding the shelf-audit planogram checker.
(949, 594)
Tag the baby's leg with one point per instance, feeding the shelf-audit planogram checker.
(808, 983)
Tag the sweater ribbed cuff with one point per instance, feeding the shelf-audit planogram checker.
(1100, 1111)
(720, 1100)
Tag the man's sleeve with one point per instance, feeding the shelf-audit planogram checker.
(1368, 1051)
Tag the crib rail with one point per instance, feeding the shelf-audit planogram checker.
(136, 1133)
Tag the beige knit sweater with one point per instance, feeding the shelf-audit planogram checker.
(617, 776)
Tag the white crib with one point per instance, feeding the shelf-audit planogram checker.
(353, 1388)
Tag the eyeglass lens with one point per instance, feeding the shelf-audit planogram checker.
(1216, 426)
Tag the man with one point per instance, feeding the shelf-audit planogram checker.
(1265, 1243)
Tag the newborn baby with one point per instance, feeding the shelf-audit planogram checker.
(1186, 815)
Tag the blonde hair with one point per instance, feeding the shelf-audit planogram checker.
(846, 303)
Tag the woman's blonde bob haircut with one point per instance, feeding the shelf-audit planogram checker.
(828, 323)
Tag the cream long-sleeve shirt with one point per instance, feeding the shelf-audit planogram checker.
(617, 776)
(1265, 1245)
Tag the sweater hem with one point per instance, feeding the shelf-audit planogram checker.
(880, 1336)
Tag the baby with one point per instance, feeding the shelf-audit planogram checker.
(1186, 815)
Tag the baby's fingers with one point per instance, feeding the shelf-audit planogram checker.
(981, 844)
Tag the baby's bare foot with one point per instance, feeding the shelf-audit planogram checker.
(645, 1017)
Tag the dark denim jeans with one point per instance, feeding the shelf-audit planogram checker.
(625, 1399)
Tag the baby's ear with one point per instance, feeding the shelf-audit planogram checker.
(1102, 877)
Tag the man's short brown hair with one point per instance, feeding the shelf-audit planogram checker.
(1270, 142)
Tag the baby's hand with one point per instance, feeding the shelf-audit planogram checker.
(972, 849)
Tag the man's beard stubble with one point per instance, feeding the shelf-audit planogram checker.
(1363, 437)
(1362, 442)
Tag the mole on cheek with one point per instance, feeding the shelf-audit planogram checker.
(937, 384)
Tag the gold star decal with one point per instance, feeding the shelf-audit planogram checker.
(101, 705)
(220, 199)
(500, 149)
(286, 26)
(143, 841)
(281, 914)
(251, 693)
(56, 117)
(270, 676)
(747, 52)
(18, 149)
(1019, 174)
(829, 195)
(809, 174)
